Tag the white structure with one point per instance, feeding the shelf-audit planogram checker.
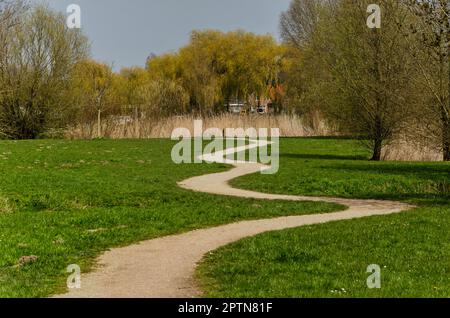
(236, 107)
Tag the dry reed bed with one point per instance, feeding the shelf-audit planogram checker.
(289, 125)
(400, 150)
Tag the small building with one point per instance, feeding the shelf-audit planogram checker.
(236, 107)
(257, 104)
(264, 106)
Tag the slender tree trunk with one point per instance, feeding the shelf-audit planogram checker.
(446, 128)
(446, 138)
(446, 70)
(377, 133)
(99, 124)
(377, 138)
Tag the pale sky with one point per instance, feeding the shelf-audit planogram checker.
(126, 32)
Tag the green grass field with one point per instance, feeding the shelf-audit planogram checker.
(68, 201)
(330, 260)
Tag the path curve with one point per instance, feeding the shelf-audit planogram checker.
(164, 267)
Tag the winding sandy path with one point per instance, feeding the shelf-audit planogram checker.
(164, 267)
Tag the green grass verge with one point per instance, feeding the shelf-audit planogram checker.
(68, 201)
(330, 260)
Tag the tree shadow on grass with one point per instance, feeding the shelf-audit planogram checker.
(327, 138)
(438, 174)
(324, 157)
(397, 168)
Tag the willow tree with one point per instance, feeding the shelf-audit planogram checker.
(250, 64)
(308, 73)
(299, 23)
(156, 93)
(134, 83)
(430, 39)
(94, 93)
(371, 70)
(37, 55)
(215, 67)
(10, 16)
(199, 71)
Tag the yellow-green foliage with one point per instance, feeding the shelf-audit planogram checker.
(217, 66)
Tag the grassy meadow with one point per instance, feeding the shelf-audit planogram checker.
(67, 201)
(330, 260)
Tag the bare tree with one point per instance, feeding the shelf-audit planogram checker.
(430, 40)
(299, 22)
(37, 57)
(10, 12)
(371, 73)
(301, 30)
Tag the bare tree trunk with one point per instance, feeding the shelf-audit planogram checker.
(377, 134)
(445, 76)
(377, 140)
(446, 138)
(99, 124)
(378, 146)
(446, 115)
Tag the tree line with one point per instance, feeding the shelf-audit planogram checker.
(376, 84)
(49, 81)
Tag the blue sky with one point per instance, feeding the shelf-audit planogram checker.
(126, 32)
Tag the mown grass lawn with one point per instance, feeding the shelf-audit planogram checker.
(67, 201)
(330, 260)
